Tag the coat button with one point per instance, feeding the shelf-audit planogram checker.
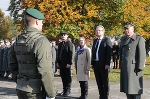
(129, 48)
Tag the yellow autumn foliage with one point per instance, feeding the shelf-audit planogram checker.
(87, 14)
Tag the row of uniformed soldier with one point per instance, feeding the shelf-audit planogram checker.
(4, 57)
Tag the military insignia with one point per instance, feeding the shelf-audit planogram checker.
(133, 36)
(129, 48)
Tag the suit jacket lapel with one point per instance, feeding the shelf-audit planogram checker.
(102, 42)
(94, 44)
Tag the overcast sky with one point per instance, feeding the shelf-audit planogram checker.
(4, 6)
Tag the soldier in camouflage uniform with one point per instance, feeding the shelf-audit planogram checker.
(31, 61)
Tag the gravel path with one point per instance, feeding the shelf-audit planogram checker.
(7, 90)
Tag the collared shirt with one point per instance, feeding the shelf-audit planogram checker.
(99, 42)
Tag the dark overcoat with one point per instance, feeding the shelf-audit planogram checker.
(6, 58)
(65, 53)
(1, 56)
(132, 59)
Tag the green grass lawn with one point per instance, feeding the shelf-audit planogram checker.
(146, 71)
(115, 75)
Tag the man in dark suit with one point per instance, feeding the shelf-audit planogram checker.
(64, 59)
(101, 57)
(132, 59)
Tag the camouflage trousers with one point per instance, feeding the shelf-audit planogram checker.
(28, 95)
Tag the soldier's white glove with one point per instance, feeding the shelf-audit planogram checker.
(50, 98)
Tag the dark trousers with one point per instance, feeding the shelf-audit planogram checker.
(132, 96)
(102, 80)
(115, 64)
(7, 74)
(65, 74)
(2, 73)
(27, 95)
(84, 88)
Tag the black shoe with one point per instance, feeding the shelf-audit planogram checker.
(83, 97)
(67, 93)
(56, 75)
(60, 94)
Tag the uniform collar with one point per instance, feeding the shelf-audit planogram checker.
(30, 29)
(65, 40)
(132, 36)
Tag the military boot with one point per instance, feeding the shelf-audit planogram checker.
(66, 93)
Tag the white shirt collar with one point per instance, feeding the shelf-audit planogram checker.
(100, 37)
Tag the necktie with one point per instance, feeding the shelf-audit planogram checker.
(96, 47)
(97, 43)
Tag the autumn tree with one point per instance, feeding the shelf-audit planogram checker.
(78, 17)
(8, 28)
(137, 12)
(4, 26)
(14, 29)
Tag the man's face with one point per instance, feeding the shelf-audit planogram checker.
(99, 31)
(64, 36)
(129, 31)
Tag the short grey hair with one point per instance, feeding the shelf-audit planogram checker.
(100, 26)
(81, 37)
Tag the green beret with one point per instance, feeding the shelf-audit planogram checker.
(35, 13)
